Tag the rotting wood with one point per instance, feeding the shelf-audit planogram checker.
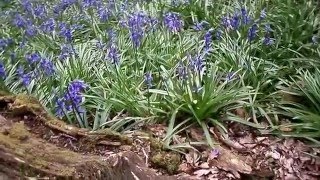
(24, 154)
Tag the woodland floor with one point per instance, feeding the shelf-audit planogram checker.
(33, 144)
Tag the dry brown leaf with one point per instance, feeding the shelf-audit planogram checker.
(192, 157)
(260, 139)
(197, 134)
(212, 177)
(204, 165)
(214, 170)
(158, 130)
(185, 167)
(274, 154)
(202, 172)
(109, 143)
(231, 162)
(241, 112)
(285, 128)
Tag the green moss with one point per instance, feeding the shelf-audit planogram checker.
(3, 93)
(26, 104)
(19, 131)
(38, 156)
(110, 135)
(156, 145)
(169, 161)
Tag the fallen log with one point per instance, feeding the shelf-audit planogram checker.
(28, 148)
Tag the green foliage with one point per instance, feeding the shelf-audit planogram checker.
(229, 71)
(306, 111)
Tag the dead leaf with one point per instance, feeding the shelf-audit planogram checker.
(241, 112)
(202, 172)
(197, 134)
(185, 167)
(158, 130)
(214, 170)
(260, 139)
(204, 165)
(192, 157)
(109, 143)
(274, 154)
(285, 128)
(213, 177)
(231, 162)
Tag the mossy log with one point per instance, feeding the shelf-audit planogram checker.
(25, 150)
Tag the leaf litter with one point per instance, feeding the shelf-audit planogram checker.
(248, 155)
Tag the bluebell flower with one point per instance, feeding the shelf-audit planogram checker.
(23, 43)
(153, 22)
(218, 34)
(245, 16)
(268, 41)
(113, 54)
(214, 153)
(148, 79)
(3, 44)
(104, 14)
(200, 26)
(208, 39)
(72, 98)
(235, 21)
(230, 76)
(173, 22)
(10, 41)
(31, 31)
(111, 4)
(66, 51)
(47, 66)
(19, 21)
(136, 24)
(123, 6)
(76, 86)
(62, 6)
(267, 28)
(100, 45)
(65, 31)
(263, 14)
(136, 37)
(40, 11)
(252, 33)
(33, 58)
(20, 71)
(2, 71)
(60, 106)
(73, 94)
(196, 63)
(111, 35)
(90, 3)
(76, 26)
(26, 5)
(24, 77)
(226, 22)
(182, 71)
(48, 26)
